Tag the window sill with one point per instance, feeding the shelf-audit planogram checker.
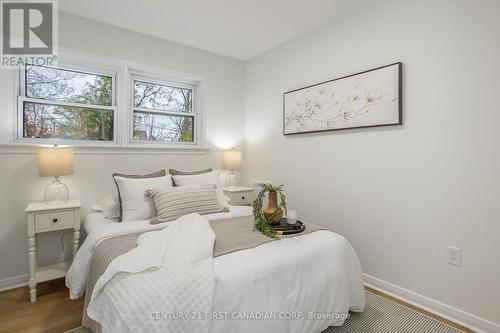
(136, 149)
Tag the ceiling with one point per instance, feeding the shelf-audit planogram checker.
(240, 29)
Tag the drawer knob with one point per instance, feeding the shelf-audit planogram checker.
(54, 219)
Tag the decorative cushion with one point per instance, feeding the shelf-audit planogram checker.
(203, 179)
(175, 202)
(159, 173)
(136, 205)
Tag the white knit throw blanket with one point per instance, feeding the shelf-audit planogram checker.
(165, 284)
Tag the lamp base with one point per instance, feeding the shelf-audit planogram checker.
(231, 179)
(56, 193)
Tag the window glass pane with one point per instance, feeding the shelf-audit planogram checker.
(66, 122)
(162, 128)
(160, 97)
(68, 86)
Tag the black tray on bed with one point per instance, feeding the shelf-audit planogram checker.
(283, 228)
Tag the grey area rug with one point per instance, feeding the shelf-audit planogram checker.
(384, 316)
(380, 316)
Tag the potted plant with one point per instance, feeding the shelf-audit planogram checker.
(273, 214)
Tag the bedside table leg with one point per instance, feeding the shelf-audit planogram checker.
(32, 263)
(76, 242)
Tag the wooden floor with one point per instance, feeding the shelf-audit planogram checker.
(54, 312)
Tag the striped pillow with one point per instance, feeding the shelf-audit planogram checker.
(175, 202)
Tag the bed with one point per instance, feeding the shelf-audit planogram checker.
(317, 275)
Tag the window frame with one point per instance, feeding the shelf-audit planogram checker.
(195, 86)
(121, 72)
(75, 66)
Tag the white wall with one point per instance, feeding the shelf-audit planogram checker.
(19, 181)
(402, 194)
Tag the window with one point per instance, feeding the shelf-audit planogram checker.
(163, 113)
(66, 104)
(106, 103)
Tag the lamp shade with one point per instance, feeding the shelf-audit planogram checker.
(232, 159)
(55, 161)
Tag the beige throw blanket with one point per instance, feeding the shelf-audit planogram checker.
(233, 234)
(236, 234)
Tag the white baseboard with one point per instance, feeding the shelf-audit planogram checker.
(458, 316)
(14, 282)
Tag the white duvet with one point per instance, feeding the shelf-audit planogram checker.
(98, 228)
(299, 284)
(170, 270)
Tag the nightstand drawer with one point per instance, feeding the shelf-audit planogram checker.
(240, 197)
(54, 221)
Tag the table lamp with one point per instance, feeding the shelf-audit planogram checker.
(232, 161)
(55, 162)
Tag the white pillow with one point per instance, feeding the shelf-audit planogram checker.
(204, 179)
(109, 206)
(136, 205)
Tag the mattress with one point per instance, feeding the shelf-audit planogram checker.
(97, 221)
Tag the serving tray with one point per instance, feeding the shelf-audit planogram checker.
(283, 228)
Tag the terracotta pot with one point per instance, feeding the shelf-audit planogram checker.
(273, 207)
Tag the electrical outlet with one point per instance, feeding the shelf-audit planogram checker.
(454, 256)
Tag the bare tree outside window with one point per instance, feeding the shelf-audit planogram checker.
(66, 104)
(162, 113)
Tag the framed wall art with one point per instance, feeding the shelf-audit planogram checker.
(367, 99)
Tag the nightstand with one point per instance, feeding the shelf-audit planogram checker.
(240, 195)
(42, 218)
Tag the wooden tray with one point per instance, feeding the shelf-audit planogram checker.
(283, 228)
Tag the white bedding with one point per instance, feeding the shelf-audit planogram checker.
(317, 274)
(98, 227)
(181, 254)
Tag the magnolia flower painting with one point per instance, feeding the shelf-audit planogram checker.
(367, 99)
